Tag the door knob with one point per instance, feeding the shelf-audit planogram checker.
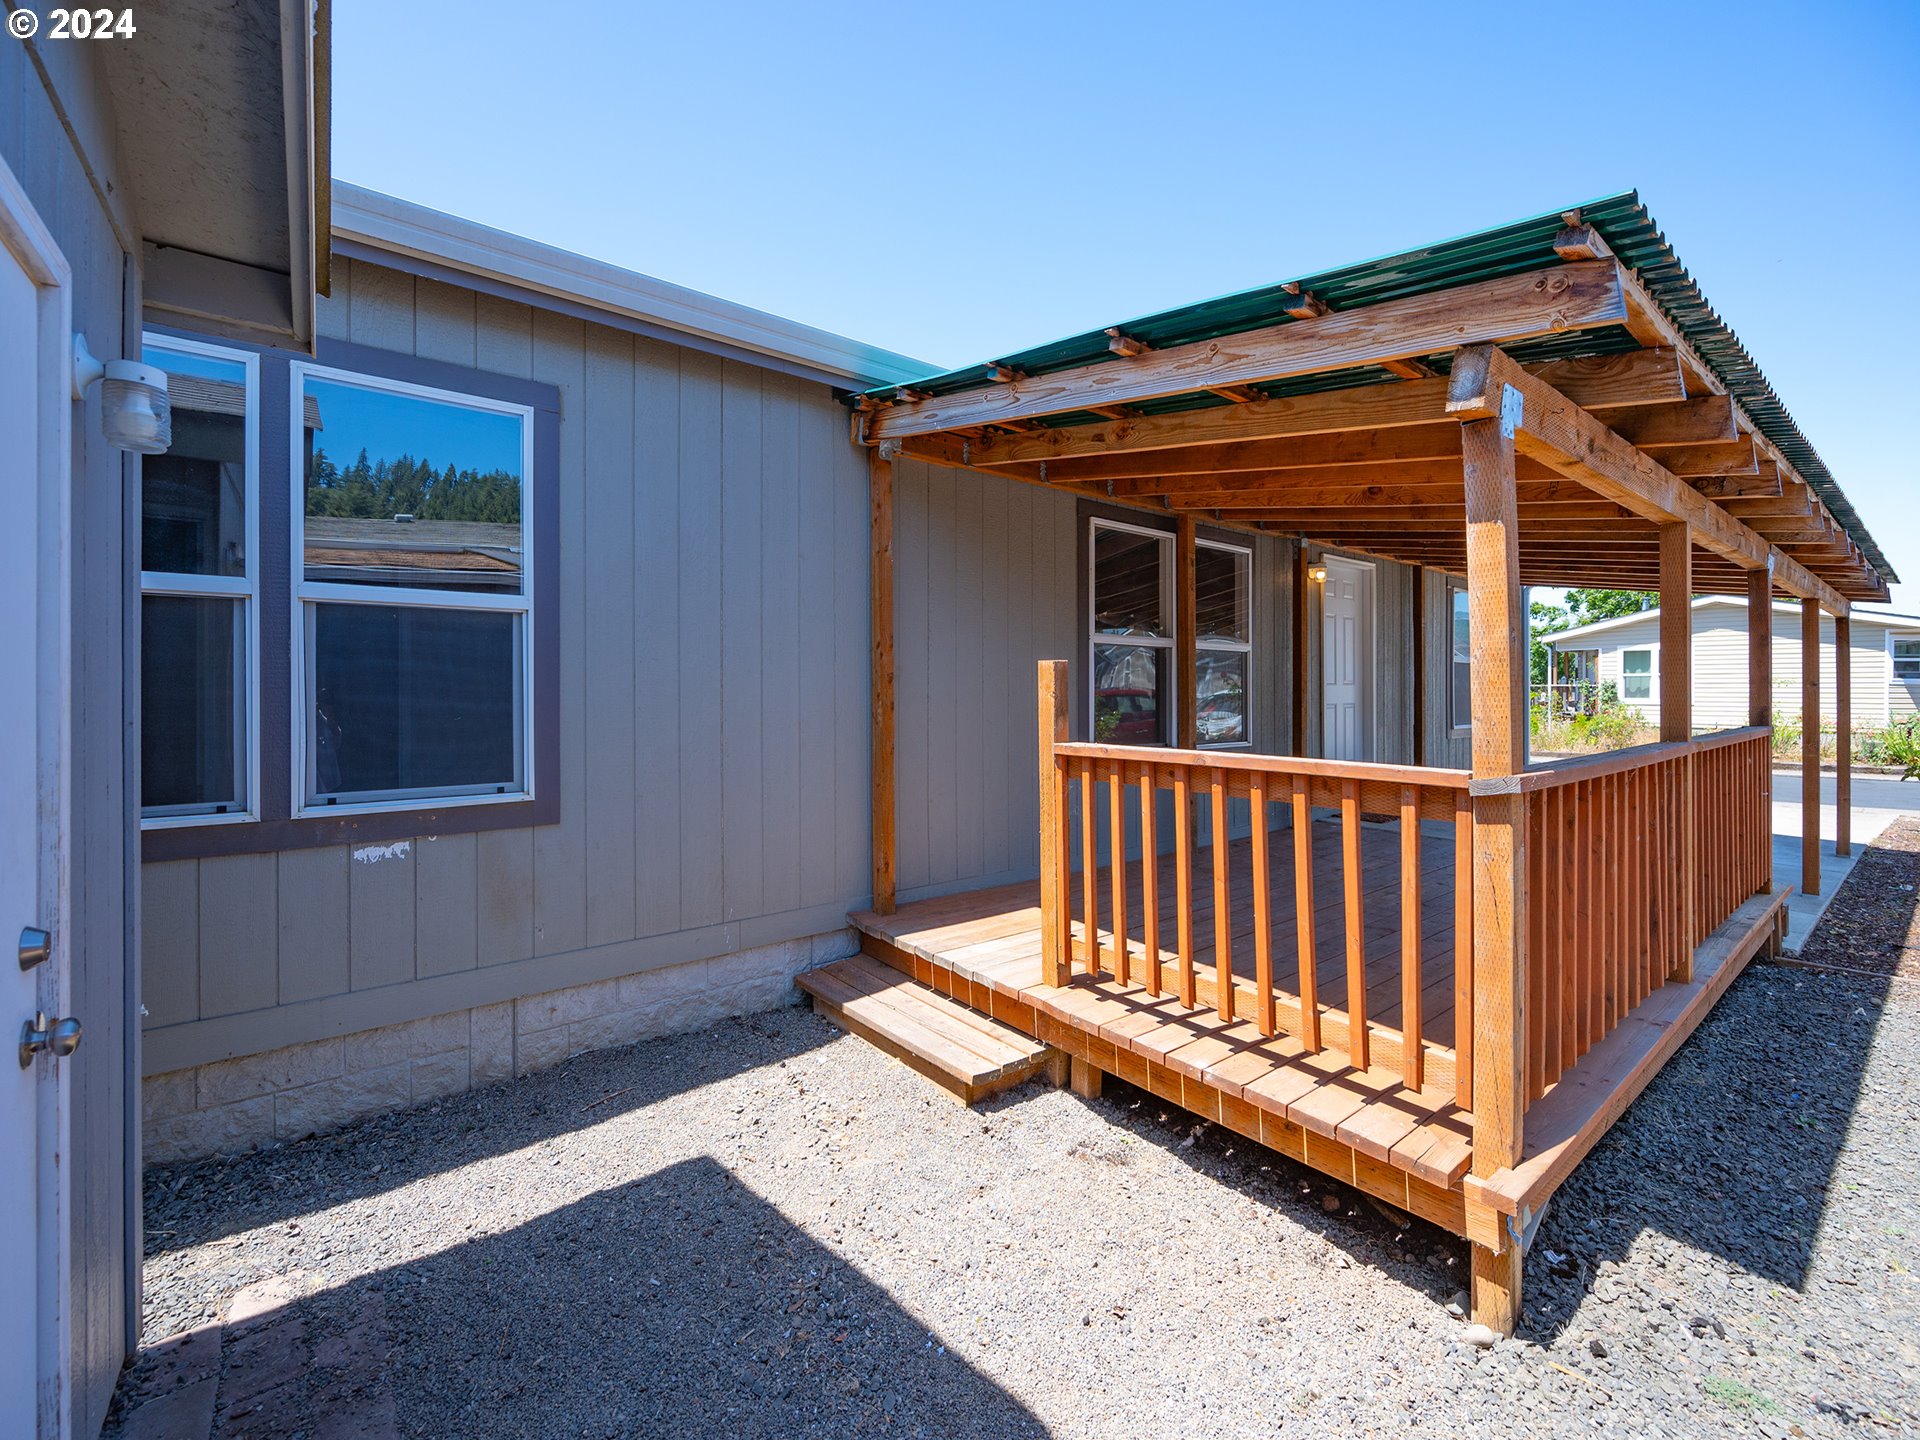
(59, 1037)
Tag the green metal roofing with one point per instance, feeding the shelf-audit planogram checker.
(1484, 255)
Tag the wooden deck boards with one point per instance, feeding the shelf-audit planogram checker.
(1411, 1147)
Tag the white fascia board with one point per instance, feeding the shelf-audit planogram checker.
(1886, 618)
(383, 222)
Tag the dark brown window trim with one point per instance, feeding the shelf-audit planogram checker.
(277, 830)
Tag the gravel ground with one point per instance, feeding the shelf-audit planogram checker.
(770, 1229)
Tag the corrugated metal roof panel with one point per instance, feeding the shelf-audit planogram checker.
(1484, 255)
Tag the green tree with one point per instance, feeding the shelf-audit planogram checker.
(1545, 620)
(1588, 606)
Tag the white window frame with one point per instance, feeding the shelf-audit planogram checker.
(1169, 596)
(243, 589)
(1894, 640)
(1231, 647)
(307, 594)
(1456, 592)
(1652, 652)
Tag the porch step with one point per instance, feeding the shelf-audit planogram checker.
(957, 1048)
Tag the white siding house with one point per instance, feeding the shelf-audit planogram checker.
(1885, 661)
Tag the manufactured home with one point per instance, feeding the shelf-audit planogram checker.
(1883, 663)
(504, 655)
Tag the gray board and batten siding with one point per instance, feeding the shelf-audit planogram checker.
(65, 157)
(712, 699)
(712, 713)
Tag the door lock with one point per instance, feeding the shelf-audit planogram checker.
(59, 1037)
(35, 945)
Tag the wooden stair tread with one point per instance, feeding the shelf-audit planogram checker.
(915, 1023)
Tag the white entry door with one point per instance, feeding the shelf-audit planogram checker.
(1346, 661)
(36, 360)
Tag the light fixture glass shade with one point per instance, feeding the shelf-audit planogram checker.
(135, 413)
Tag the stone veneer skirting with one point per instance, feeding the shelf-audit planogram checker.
(256, 1100)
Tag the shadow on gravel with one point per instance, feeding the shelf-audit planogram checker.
(1408, 1250)
(1732, 1148)
(240, 1194)
(679, 1304)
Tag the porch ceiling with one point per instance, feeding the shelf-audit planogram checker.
(1320, 408)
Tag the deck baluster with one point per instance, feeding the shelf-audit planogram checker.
(1089, 867)
(1183, 878)
(1304, 942)
(1262, 904)
(1149, 880)
(1358, 1048)
(1222, 909)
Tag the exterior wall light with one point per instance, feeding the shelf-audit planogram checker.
(1318, 574)
(135, 413)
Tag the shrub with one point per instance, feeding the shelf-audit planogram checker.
(1901, 745)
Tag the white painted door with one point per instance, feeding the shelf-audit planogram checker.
(1346, 662)
(33, 470)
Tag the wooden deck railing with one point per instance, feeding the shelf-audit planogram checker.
(1620, 890)
(1619, 893)
(1108, 792)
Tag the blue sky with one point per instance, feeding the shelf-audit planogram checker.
(956, 182)
(355, 418)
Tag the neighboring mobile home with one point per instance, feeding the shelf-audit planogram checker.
(1884, 660)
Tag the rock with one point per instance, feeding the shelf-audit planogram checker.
(1479, 1336)
(1596, 1349)
(1330, 1204)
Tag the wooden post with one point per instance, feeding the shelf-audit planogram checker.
(1760, 647)
(1186, 665)
(1186, 632)
(1676, 725)
(1842, 735)
(1760, 700)
(1302, 590)
(1499, 952)
(880, 525)
(1809, 747)
(1056, 954)
(1418, 623)
(1676, 633)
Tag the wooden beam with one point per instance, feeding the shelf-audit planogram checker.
(1653, 326)
(1601, 382)
(1842, 735)
(1580, 242)
(880, 528)
(1514, 307)
(1809, 746)
(1705, 421)
(1499, 950)
(1730, 457)
(1562, 435)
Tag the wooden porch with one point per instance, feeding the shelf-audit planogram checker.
(1532, 406)
(1360, 912)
